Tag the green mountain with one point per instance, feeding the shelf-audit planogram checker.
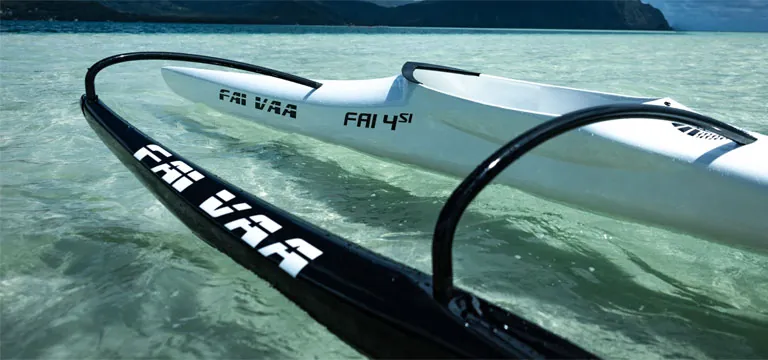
(550, 14)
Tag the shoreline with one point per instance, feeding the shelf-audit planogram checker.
(394, 28)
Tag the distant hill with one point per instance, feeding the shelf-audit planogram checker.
(390, 3)
(551, 14)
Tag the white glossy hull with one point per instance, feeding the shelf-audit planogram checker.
(648, 171)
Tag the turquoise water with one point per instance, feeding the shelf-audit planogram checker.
(92, 266)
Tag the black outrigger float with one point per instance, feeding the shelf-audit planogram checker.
(382, 308)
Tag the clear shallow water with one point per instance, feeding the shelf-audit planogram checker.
(92, 266)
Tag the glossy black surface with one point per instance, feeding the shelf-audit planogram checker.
(90, 77)
(457, 203)
(411, 66)
(382, 308)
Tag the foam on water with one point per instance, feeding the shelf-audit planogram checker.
(93, 266)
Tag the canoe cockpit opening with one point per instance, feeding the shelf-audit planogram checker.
(510, 93)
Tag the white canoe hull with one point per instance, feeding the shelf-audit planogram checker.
(647, 171)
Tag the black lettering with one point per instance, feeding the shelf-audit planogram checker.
(290, 109)
(365, 118)
(392, 121)
(238, 98)
(350, 116)
(274, 107)
(260, 104)
(369, 119)
(223, 93)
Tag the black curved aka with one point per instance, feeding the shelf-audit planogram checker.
(382, 308)
(442, 243)
(90, 91)
(411, 66)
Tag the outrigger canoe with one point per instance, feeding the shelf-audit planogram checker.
(656, 172)
(382, 308)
